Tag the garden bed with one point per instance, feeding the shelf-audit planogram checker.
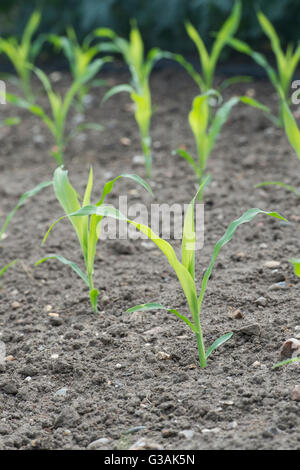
(77, 377)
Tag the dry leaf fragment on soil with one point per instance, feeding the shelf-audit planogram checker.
(290, 349)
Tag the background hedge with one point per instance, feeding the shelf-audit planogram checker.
(161, 21)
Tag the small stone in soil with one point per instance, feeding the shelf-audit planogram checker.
(9, 358)
(99, 444)
(62, 392)
(145, 444)
(290, 349)
(168, 433)
(272, 264)
(262, 301)
(212, 430)
(138, 160)
(296, 393)
(16, 305)
(162, 356)
(256, 364)
(250, 330)
(278, 286)
(236, 315)
(186, 433)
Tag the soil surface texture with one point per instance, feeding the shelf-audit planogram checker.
(73, 379)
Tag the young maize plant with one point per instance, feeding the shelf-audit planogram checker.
(206, 128)
(293, 134)
(23, 54)
(208, 61)
(185, 270)
(79, 57)
(87, 228)
(140, 68)
(287, 62)
(60, 107)
(20, 203)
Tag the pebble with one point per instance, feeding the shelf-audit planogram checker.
(296, 393)
(105, 300)
(62, 392)
(250, 330)
(256, 364)
(278, 286)
(9, 358)
(212, 430)
(237, 314)
(138, 160)
(272, 264)
(125, 141)
(187, 433)
(99, 444)
(290, 349)
(233, 425)
(145, 444)
(16, 305)
(261, 301)
(162, 356)
(168, 433)
(55, 76)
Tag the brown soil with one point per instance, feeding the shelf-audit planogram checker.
(109, 362)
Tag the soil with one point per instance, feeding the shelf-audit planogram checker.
(76, 377)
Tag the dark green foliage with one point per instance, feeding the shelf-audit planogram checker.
(161, 21)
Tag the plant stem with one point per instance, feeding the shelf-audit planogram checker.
(201, 349)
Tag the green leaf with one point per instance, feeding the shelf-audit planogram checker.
(291, 128)
(188, 158)
(286, 362)
(279, 183)
(68, 198)
(21, 201)
(296, 263)
(117, 89)
(9, 265)
(218, 343)
(189, 235)
(157, 306)
(254, 103)
(246, 217)
(203, 54)
(66, 262)
(226, 32)
(233, 80)
(110, 184)
(12, 121)
(183, 274)
(219, 120)
(271, 33)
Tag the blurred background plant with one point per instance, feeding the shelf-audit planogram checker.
(166, 31)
